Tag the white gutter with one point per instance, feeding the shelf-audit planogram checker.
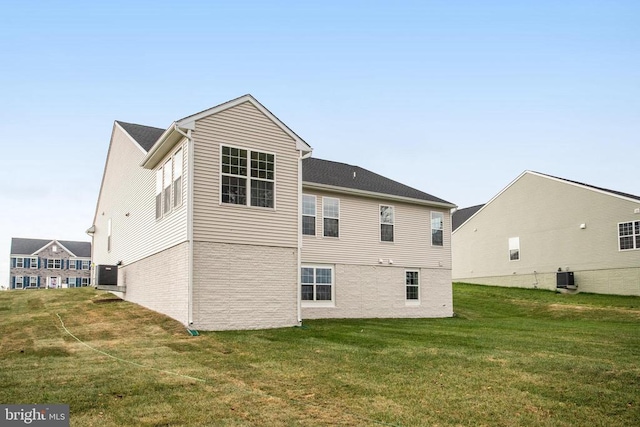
(373, 194)
(190, 162)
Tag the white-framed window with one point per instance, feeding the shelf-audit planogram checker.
(177, 178)
(514, 248)
(330, 217)
(317, 284)
(71, 282)
(33, 281)
(159, 193)
(19, 262)
(86, 264)
(54, 248)
(33, 262)
(308, 215)
(54, 263)
(629, 235)
(72, 264)
(86, 281)
(387, 221)
(239, 166)
(19, 282)
(437, 229)
(166, 187)
(412, 285)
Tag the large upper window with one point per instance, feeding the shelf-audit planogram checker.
(412, 283)
(437, 228)
(159, 193)
(19, 262)
(514, 248)
(331, 216)
(629, 235)
(72, 264)
(308, 215)
(317, 283)
(33, 262)
(86, 264)
(166, 187)
(259, 172)
(386, 223)
(177, 178)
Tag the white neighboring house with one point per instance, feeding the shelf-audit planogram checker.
(223, 221)
(540, 225)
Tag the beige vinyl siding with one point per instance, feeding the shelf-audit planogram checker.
(546, 215)
(366, 291)
(127, 197)
(359, 242)
(244, 126)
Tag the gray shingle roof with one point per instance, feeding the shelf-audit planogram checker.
(354, 177)
(20, 246)
(146, 136)
(461, 215)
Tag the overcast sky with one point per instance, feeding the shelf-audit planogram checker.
(455, 98)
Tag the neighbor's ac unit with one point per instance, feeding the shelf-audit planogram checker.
(107, 278)
(564, 280)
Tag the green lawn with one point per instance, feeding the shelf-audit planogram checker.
(510, 357)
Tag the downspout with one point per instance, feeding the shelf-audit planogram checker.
(190, 162)
(298, 289)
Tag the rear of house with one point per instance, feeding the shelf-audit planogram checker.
(540, 225)
(204, 221)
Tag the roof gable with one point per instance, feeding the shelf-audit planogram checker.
(341, 175)
(612, 193)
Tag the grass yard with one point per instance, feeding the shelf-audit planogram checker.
(510, 357)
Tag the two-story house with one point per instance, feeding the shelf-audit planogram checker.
(223, 221)
(38, 263)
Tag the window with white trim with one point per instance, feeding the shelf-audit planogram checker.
(19, 282)
(86, 281)
(629, 235)
(308, 215)
(166, 187)
(331, 217)
(412, 284)
(514, 248)
(177, 178)
(54, 248)
(86, 264)
(159, 193)
(33, 262)
(316, 283)
(19, 262)
(437, 229)
(71, 282)
(72, 264)
(387, 221)
(33, 281)
(54, 263)
(236, 171)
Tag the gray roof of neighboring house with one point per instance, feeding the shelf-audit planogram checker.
(20, 246)
(460, 216)
(146, 136)
(619, 193)
(314, 170)
(354, 177)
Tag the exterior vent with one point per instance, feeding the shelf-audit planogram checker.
(107, 278)
(636, 210)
